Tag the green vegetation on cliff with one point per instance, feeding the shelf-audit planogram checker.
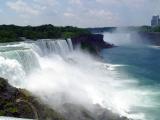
(150, 29)
(11, 33)
(21, 104)
(125, 29)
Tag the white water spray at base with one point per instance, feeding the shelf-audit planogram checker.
(67, 76)
(80, 79)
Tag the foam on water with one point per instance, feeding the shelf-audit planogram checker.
(154, 47)
(11, 118)
(141, 62)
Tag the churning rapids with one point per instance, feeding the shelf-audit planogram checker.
(57, 74)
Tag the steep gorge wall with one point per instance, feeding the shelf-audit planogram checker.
(91, 42)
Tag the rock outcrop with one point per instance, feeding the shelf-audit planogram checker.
(21, 104)
(96, 112)
(91, 42)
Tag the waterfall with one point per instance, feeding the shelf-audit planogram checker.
(59, 75)
(25, 57)
(60, 47)
(20, 59)
(26, 53)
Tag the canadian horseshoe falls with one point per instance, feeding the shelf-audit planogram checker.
(125, 81)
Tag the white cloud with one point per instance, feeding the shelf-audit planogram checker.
(108, 1)
(1, 10)
(100, 13)
(68, 14)
(101, 17)
(83, 12)
(22, 7)
(129, 3)
(46, 3)
(79, 2)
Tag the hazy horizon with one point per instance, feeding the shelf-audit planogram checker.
(80, 13)
(74, 26)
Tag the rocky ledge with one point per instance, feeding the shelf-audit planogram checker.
(91, 42)
(21, 104)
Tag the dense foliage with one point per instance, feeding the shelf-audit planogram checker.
(150, 29)
(102, 29)
(125, 29)
(10, 33)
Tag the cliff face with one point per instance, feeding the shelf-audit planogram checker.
(92, 42)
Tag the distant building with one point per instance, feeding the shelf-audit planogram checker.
(155, 21)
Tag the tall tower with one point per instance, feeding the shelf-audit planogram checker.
(155, 21)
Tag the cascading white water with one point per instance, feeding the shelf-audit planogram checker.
(61, 47)
(17, 60)
(25, 57)
(64, 76)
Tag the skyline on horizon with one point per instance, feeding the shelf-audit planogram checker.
(80, 13)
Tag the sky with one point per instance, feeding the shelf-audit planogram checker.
(81, 13)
